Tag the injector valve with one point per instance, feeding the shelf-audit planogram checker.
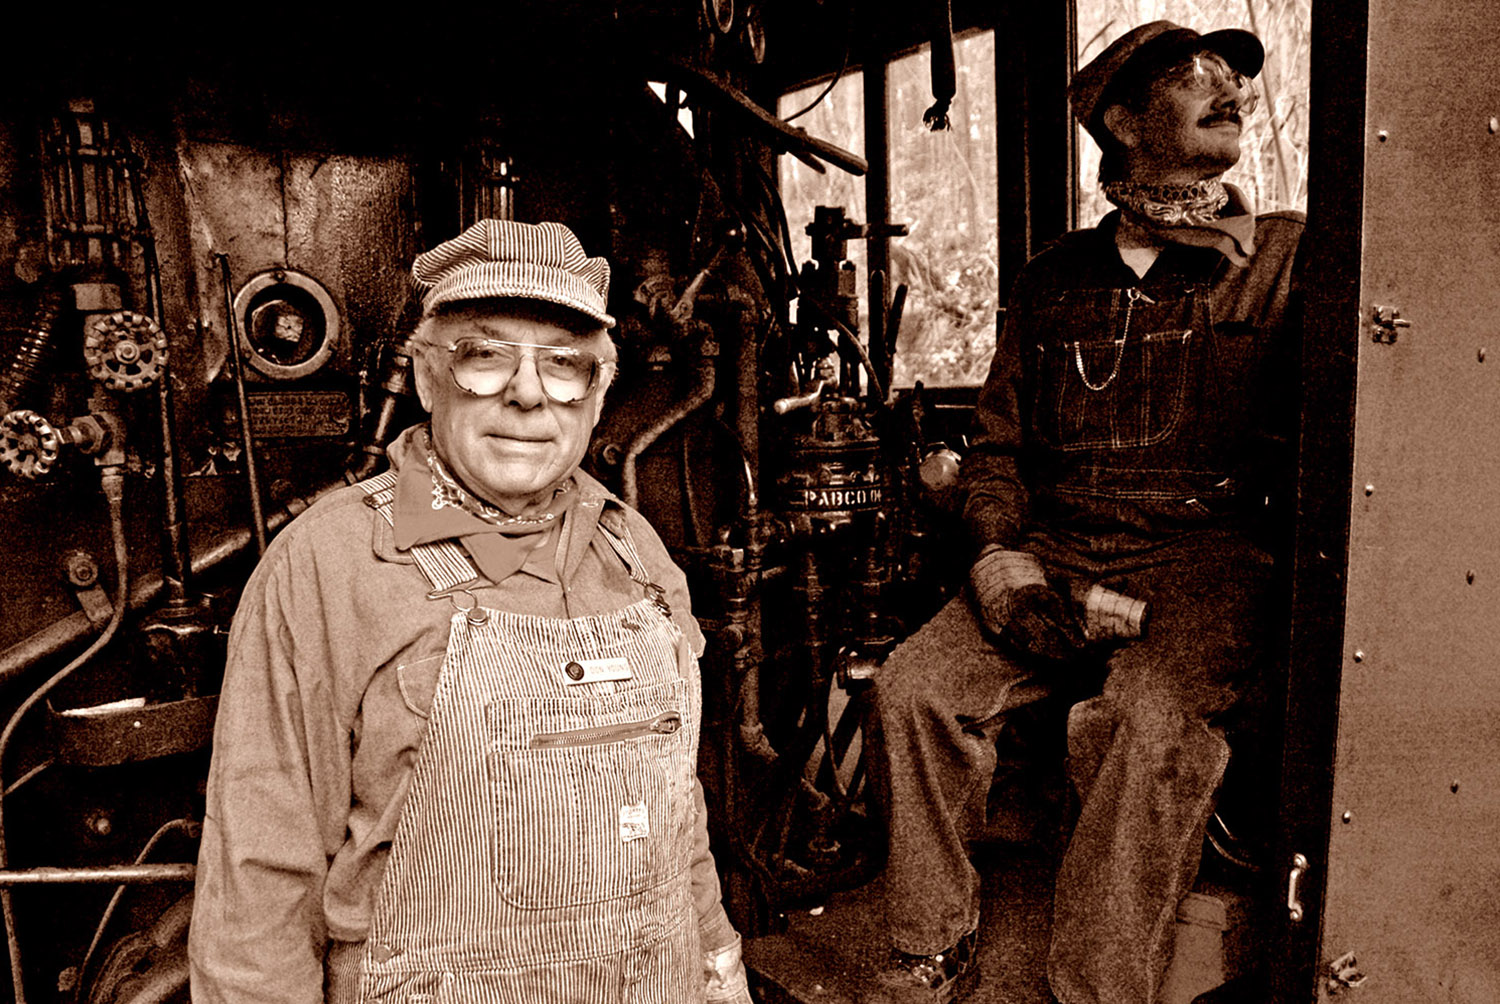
(30, 445)
(124, 350)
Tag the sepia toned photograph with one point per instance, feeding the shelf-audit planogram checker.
(751, 502)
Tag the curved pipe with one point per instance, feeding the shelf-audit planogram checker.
(63, 634)
(187, 825)
(853, 340)
(702, 391)
(113, 484)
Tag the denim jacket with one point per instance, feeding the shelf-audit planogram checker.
(1148, 406)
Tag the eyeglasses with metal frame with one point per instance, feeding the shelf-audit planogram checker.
(483, 367)
(1207, 73)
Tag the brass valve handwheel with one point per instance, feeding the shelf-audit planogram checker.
(29, 444)
(124, 350)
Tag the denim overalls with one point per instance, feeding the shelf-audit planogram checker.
(1141, 409)
(544, 846)
(1125, 422)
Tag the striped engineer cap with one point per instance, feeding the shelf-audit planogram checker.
(499, 258)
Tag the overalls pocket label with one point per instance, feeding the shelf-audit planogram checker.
(635, 822)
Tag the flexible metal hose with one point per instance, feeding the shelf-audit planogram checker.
(30, 361)
(113, 483)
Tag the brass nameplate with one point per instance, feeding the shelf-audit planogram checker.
(286, 414)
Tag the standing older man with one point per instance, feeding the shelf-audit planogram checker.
(456, 748)
(1125, 448)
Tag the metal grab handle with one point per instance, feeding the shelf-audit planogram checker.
(1293, 903)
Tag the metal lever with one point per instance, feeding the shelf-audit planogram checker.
(1294, 909)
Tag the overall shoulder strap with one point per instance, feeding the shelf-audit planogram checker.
(617, 534)
(443, 562)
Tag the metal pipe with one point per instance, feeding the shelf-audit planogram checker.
(747, 406)
(396, 383)
(257, 513)
(62, 634)
(176, 548)
(190, 826)
(143, 874)
(700, 394)
(750, 502)
(878, 205)
(850, 336)
(112, 481)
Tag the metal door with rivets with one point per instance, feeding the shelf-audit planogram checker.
(1393, 857)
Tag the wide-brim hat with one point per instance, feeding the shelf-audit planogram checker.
(1143, 50)
(528, 261)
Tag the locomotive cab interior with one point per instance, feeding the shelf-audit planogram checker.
(814, 212)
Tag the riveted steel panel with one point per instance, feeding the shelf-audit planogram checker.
(1413, 880)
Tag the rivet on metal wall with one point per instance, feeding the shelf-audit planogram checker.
(1348, 817)
(1359, 655)
(1369, 489)
(1453, 787)
(1469, 576)
(1382, 135)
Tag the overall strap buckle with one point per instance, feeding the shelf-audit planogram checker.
(658, 596)
(472, 611)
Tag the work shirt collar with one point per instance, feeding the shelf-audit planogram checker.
(550, 550)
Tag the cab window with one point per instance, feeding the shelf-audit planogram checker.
(943, 187)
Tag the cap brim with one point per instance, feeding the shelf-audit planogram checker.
(1240, 49)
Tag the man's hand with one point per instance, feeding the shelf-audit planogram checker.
(1015, 602)
(1041, 625)
(725, 975)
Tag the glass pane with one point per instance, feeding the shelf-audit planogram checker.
(1273, 149)
(943, 186)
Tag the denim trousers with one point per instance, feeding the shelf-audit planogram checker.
(1146, 753)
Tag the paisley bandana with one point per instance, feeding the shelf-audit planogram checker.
(448, 493)
(1197, 204)
(1206, 213)
(431, 505)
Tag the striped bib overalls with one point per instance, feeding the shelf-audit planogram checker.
(543, 850)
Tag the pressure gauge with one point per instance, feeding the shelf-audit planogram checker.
(288, 323)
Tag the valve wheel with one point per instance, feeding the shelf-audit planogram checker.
(29, 444)
(124, 351)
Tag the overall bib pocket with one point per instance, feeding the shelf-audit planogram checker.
(1113, 368)
(592, 795)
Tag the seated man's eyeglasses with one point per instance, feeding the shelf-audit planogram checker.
(1208, 73)
(484, 366)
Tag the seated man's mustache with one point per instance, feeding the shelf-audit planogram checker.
(1228, 115)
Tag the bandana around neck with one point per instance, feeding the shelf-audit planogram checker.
(447, 493)
(431, 505)
(1195, 204)
(1205, 213)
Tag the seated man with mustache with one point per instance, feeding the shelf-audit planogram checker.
(1128, 441)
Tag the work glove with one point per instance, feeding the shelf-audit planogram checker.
(1015, 602)
(725, 973)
